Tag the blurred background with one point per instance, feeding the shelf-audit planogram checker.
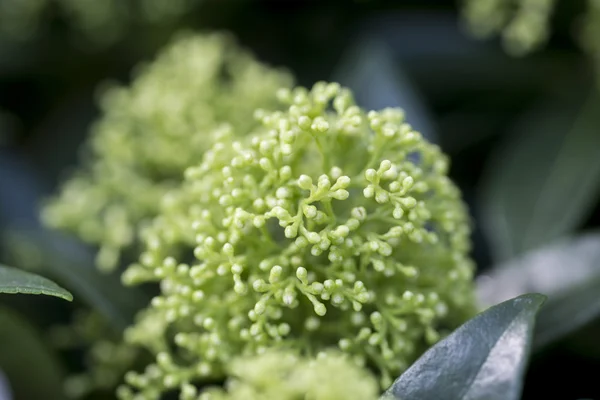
(523, 134)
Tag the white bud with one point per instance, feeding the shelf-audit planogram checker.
(370, 174)
(302, 274)
(305, 182)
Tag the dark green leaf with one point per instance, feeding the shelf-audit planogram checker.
(545, 181)
(31, 368)
(483, 359)
(568, 272)
(13, 280)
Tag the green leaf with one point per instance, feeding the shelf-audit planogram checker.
(67, 261)
(545, 181)
(13, 280)
(483, 359)
(567, 271)
(31, 368)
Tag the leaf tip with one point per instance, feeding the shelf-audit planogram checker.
(531, 299)
(67, 296)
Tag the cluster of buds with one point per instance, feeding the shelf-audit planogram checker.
(94, 23)
(524, 24)
(152, 131)
(326, 226)
(286, 376)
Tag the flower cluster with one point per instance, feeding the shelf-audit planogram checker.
(150, 132)
(327, 226)
(524, 24)
(285, 376)
(99, 22)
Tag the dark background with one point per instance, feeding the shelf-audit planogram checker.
(469, 95)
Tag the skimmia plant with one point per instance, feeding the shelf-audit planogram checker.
(252, 239)
(301, 246)
(309, 224)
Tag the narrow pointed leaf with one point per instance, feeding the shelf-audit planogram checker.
(483, 359)
(545, 181)
(13, 280)
(567, 271)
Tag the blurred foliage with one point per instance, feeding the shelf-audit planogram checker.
(23, 349)
(107, 358)
(567, 271)
(590, 35)
(98, 23)
(545, 180)
(524, 24)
